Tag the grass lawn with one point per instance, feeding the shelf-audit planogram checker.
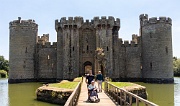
(78, 79)
(67, 85)
(119, 84)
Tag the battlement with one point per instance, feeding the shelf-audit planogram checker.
(47, 45)
(155, 20)
(71, 22)
(110, 21)
(23, 23)
(143, 16)
(76, 22)
(43, 39)
(135, 38)
(126, 43)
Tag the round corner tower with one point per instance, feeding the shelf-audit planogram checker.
(156, 36)
(22, 49)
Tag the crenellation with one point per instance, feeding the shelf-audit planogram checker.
(132, 44)
(117, 22)
(162, 19)
(63, 20)
(54, 44)
(43, 39)
(47, 45)
(24, 24)
(155, 20)
(111, 21)
(126, 43)
(70, 21)
(143, 17)
(87, 21)
(103, 20)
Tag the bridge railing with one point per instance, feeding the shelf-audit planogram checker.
(73, 99)
(123, 97)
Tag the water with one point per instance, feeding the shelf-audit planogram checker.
(161, 94)
(23, 94)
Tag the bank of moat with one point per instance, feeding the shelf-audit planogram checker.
(147, 57)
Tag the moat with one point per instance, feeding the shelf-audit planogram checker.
(23, 94)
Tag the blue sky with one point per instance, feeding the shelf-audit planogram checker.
(45, 12)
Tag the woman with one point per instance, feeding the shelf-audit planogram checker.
(99, 78)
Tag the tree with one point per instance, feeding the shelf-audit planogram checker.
(176, 66)
(4, 64)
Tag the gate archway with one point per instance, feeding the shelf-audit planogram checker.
(86, 67)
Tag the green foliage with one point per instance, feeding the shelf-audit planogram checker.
(4, 64)
(176, 66)
(67, 85)
(3, 73)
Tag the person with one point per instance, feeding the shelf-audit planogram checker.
(89, 78)
(99, 78)
(92, 87)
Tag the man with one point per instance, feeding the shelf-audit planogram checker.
(89, 78)
(99, 78)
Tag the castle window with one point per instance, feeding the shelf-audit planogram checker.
(107, 48)
(87, 47)
(73, 48)
(151, 65)
(48, 57)
(150, 34)
(26, 50)
(166, 50)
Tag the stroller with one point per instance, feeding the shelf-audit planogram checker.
(93, 98)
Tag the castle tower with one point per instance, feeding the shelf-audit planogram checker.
(23, 38)
(106, 32)
(68, 47)
(156, 38)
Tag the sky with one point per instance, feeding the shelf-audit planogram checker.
(45, 12)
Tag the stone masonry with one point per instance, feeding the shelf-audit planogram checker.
(147, 57)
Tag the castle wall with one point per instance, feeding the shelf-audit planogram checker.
(133, 60)
(23, 38)
(157, 49)
(121, 59)
(47, 61)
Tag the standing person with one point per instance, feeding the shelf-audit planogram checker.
(99, 78)
(89, 78)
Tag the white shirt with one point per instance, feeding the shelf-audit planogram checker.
(90, 87)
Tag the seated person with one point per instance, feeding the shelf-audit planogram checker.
(91, 87)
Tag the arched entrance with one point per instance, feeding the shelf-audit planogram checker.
(86, 67)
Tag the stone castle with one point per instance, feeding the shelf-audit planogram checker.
(147, 57)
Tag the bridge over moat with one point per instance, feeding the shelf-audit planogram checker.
(111, 96)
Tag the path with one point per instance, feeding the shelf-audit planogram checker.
(104, 99)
